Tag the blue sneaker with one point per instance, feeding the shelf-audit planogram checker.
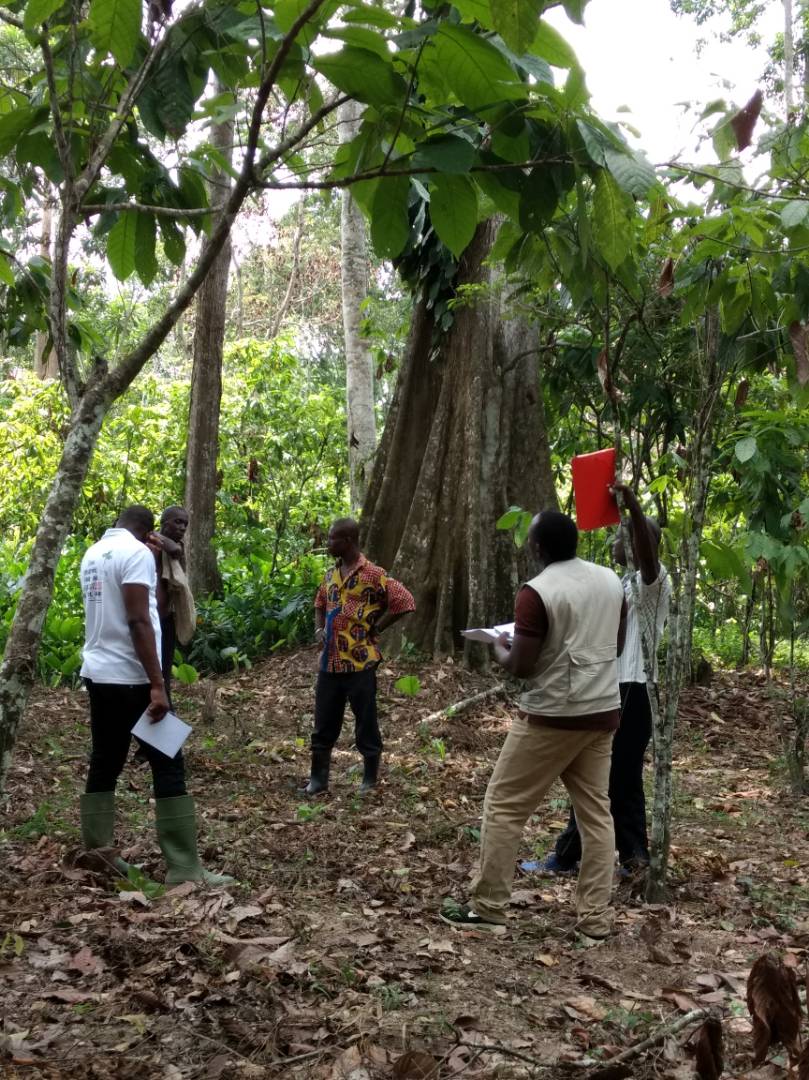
(550, 866)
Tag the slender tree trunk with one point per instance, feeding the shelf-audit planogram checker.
(18, 668)
(789, 58)
(464, 440)
(45, 362)
(360, 415)
(283, 308)
(206, 399)
(713, 370)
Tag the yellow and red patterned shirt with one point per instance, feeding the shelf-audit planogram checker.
(352, 608)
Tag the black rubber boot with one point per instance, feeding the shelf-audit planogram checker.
(319, 776)
(369, 777)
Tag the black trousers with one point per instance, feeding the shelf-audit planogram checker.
(627, 799)
(114, 711)
(358, 688)
(168, 643)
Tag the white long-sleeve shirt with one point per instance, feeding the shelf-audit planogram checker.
(651, 611)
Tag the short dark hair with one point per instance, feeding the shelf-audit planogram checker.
(138, 517)
(170, 511)
(349, 527)
(556, 535)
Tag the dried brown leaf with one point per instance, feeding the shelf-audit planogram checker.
(745, 120)
(742, 390)
(415, 1065)
(86, 962)
(665, 283)
(772, 998)
(709, 1060)
(797, 337)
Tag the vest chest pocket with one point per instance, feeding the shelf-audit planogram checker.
(593, 675)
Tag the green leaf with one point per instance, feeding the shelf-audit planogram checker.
(551, 46)
(476, 11)
(39, 11)
(745, 448)
(611, 226)
(477, 73)
(390, 225)
(287, 12)
(173, 241)
(516, 22)
(186, 674)
(509, 519)
(633, 172)
(121, 245)
(115, 27)
(575, 10)
(408, 684)
(6, 273)
(373, 16)
(454, 211)
(448, 154)
(176, 100)
(145, 258)
(362, 75)
(539, 199)
(12, 125)
(794, 213)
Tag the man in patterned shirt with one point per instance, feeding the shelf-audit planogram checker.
(356, 601)
(648, 593)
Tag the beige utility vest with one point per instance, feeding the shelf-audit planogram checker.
(577, 669)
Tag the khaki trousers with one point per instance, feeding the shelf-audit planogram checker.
(531, 759)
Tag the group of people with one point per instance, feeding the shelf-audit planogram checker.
(583, 639)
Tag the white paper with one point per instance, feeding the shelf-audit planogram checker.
(167, 735)
(489, 634)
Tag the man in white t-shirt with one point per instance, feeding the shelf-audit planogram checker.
(122, 673)
(648, 595)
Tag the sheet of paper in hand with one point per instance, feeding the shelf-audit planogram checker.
(167, 735)
(489, 634)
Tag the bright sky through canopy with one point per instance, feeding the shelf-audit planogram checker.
(637, 53)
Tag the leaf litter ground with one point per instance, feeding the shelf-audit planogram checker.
(328, 959)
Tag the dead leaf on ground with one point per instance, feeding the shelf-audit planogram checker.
(86, 962)
(415, 1065)
(772, 998)
(709, 1060)
(683, 1001)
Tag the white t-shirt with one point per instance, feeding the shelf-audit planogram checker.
(653, 602)
(117, 559)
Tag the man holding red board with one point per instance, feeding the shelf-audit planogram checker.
(648, 594)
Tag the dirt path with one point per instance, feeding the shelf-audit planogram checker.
(328, 959)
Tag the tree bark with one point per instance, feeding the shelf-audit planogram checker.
(206, 399)
(712, 370)
(45, 363)
(464, 440)
(360, 415)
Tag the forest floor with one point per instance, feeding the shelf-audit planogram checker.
(328, 960)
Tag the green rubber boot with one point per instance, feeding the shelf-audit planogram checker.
(97, 811)
(177, 836)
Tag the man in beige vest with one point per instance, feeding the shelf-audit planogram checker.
(569, 631)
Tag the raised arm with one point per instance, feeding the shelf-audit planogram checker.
(644, 543)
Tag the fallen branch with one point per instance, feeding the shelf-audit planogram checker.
(467, 703)
(662, 1033)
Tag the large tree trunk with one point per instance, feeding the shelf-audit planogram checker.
(206, 399)
(464, 440)
(360, 417)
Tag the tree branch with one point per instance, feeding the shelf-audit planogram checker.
(142, 208)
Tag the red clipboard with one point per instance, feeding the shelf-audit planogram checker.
(592, 476)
